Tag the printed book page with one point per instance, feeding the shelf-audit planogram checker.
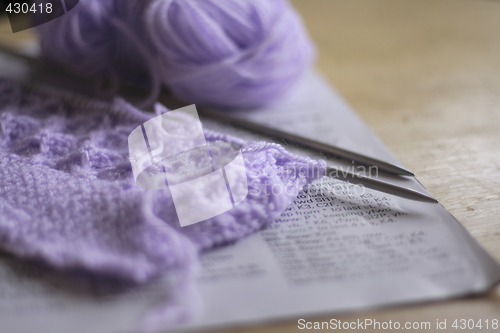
(338, 248)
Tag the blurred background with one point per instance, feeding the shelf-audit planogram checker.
(425, 76)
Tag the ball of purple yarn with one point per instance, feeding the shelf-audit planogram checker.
(225, 53)
(82, 39)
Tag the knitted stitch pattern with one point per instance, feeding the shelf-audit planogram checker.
(68, 198)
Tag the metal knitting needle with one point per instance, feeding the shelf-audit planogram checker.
(305, 142)
(342, 175)
(378, 185)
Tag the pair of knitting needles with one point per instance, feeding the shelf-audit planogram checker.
(330, 171)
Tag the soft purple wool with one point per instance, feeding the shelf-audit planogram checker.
(67, 194)
(68, 198)
(217, 52)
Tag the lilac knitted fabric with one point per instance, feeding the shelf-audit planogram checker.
(67, 194)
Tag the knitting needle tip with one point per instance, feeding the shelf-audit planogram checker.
(379, 185)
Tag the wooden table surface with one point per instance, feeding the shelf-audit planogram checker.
(425, 76)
